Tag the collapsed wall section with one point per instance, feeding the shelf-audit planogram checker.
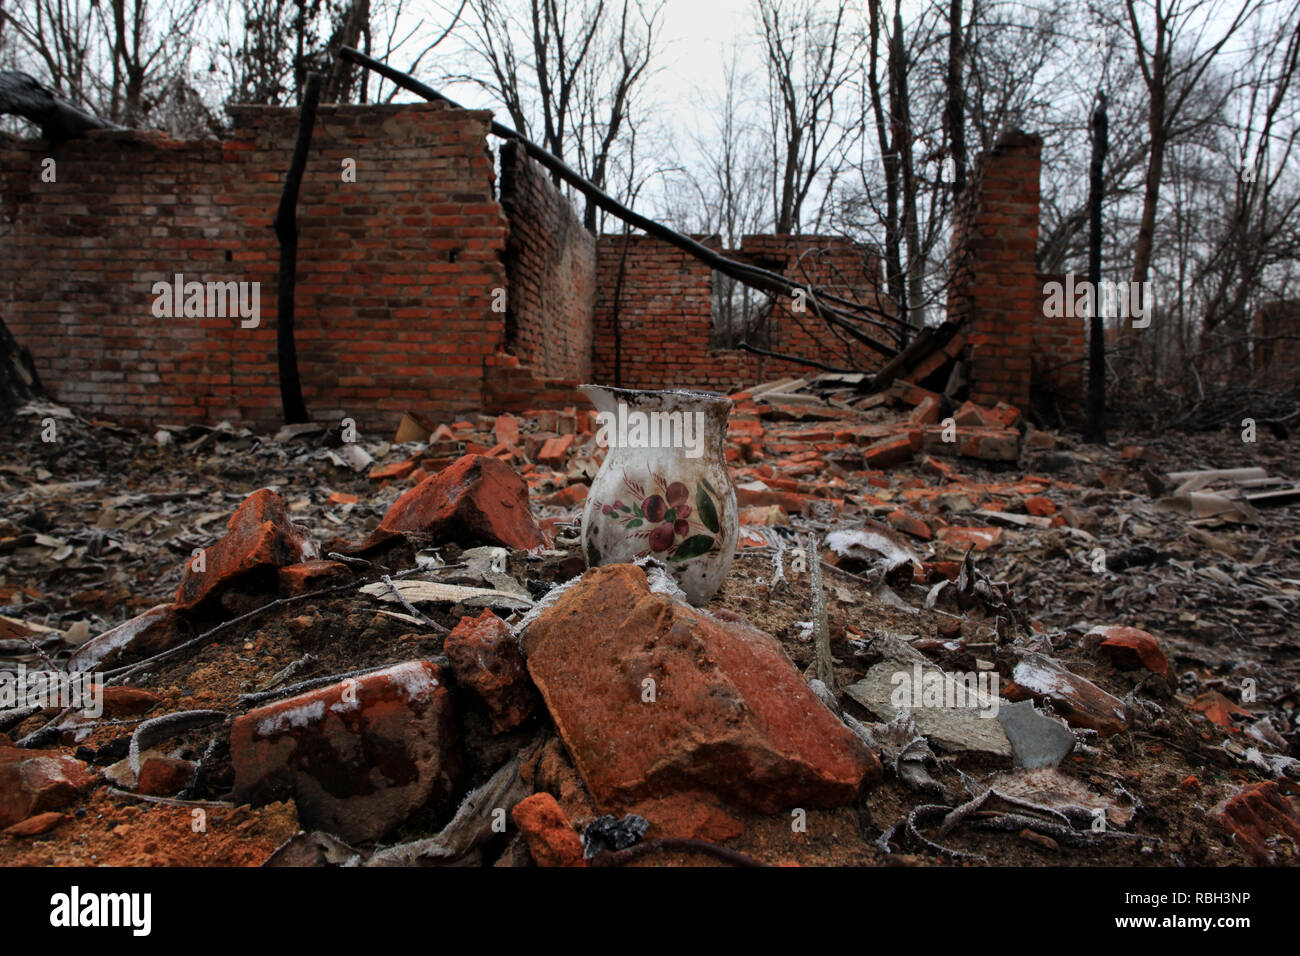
(396, 266)
(653, 320)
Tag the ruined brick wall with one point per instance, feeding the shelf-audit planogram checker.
(1276, 350)
(395, 270)
(550, 261)
(664, 312)
(1060, 348)
(995, 287)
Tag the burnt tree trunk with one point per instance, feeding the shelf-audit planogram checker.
(1096, 418)
(286, 230)
(19, 383)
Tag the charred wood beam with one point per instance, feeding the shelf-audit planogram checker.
(286, 231)
(23, 95)
(750, 275)
(799, 360)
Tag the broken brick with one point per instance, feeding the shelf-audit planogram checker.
(312, 576)
(485, 657)
(1262, 819)
(164, 776)
(926, 413)
(1130, 648)
(396, 471)
(38, 824)
(551, 839)
(506, 429)
(889, 452)
(1218, 708)
(746, 729)
(1040, 507)
(569, 496)
(981, 539)
(909, 524)
(397, 721)
(477, 500)
(555, 451)
(34, 782)
(259, 537)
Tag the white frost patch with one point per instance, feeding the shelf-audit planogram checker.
(1045, 680)
(299, 716)
(345, 706)
(846, 542)
(659, 579)
(548, 599)
(413, 679)
(97, 649)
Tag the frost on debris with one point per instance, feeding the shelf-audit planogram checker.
(414, 679)
(867, 544)
(301, 716)
(547, 600)
(659, 579)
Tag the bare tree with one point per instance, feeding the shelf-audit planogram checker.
(568, 72)
(1173, 64)
(809, 58)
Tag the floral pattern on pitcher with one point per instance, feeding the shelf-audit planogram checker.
(666, 518)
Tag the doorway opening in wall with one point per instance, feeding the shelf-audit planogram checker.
(739, 314)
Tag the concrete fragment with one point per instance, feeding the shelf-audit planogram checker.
(951, 714)
(1036, 739)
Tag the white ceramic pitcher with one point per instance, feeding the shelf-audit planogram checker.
(663, 489)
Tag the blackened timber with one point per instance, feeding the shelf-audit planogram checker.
(743, 272)
(22, 95)
(286, 230)
(767, 353)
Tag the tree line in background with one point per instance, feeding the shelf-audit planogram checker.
(861, 119)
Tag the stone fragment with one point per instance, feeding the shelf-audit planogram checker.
(953, 714)
(1036, 739)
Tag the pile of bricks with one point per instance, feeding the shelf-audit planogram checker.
(791, 459)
